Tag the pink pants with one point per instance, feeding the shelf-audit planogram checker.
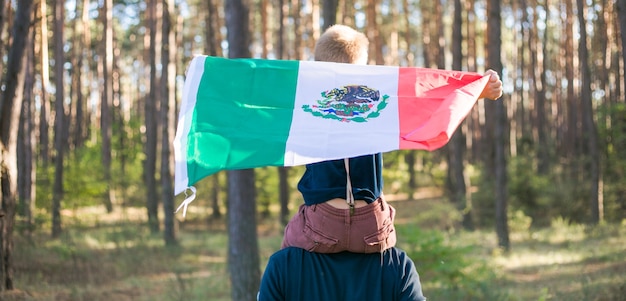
(322, 228)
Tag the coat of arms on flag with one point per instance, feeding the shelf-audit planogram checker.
(348, 103)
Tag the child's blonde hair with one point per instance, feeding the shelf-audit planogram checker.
(342, 44)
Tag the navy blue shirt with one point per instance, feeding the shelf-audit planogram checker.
(296, 274)
(327, 180)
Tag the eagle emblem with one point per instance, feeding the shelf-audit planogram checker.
(356, 103)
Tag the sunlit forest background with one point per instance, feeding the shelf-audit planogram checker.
(526, 202)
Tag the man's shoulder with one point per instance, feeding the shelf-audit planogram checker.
(392, 255)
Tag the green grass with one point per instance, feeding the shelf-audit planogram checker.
(114, 257)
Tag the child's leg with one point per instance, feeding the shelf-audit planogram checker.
(305, 231)
(326, 229)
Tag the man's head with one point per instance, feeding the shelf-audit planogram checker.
(342, 44)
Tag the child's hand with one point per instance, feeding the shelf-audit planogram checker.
(493, 90)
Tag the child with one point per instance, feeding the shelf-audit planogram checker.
(344, 207)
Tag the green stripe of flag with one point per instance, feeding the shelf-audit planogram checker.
(233, 95)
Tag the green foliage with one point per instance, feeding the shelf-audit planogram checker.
(267, 188)
(538, 196)
(447, 271)
(429, 171)
(84, 183)
(612, 134)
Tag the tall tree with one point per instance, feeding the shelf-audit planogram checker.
(494, 44)
(329, 12)
(373, 33)
(406, 13)
(212, 46)
(10, 107)
(243, 245)
(59, 116)
(27, 141)
(426, 33)
(592, 155)
(296, 16)
(283, 194)
(456, 177)
(168, 107)
(283, 172)
(44, 111)
(106, 102)
(81, 40)
(537, 74)
(621, 11)
(213, 37)
(572, 141)
(150, 146)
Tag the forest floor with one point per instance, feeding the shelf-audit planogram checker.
(113, 256)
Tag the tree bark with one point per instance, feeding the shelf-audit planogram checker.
(44, 113)
(107, 101)
(283, 194)
(457, 142)
(168, 107)
(215, 196)
(373, 34)
(27, 142)
(410, 56)
(150, 147)
(590, 135)
(10, 107)
(59, 118)
(213, 38)
(499, 140)
(329, 13)
(572, 139)
(243, 246)
(296, 15)
(621, 12)
(537, 74)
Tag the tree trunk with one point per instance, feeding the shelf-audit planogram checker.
(283, 194)
(410, 158)
(440, 56)
(10, 107)
(78, 130)
(537, 74)
(296, 14)
(348, 14)
(373, 34)
(410, 56)
(243, 245)
(44, 117)
(265, 37)
(27, 141)
(215, 196)
(621, 12)
(107, 100)
(59, 118)
(213, 38)
(426, 33)
(499, 140)
(329, 12)
(168, 107)
(282, 16)
(572, 139)
(150, 147)
(457, 141)
(590, 135)
(4, 10)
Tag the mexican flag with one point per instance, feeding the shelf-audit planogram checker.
(246, 113)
